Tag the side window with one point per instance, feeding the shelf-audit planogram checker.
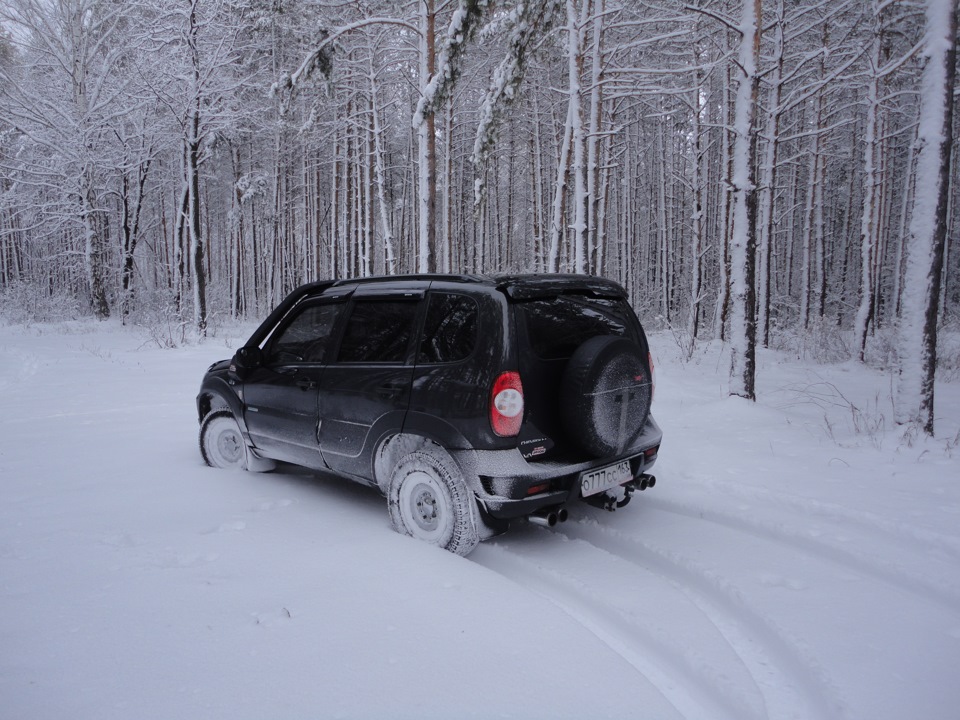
(450, 329)
(306, 337)
(378, 331)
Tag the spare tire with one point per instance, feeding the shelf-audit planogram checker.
(605, 395)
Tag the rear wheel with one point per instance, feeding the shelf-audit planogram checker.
(221, 442)
(429, 500)
(606, 394)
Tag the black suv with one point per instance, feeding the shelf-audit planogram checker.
(467, 400)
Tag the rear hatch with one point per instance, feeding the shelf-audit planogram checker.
(552, 322)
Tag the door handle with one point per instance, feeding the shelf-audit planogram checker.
(390, 390)
(305, 384)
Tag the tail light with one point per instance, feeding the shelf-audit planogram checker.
(506, 405)
(653, 376)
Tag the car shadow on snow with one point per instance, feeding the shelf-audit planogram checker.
(327, 487)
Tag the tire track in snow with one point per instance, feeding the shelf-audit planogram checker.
(666, 668)
(727, 606)
(135, 410)
(923, 539)
(935, 589)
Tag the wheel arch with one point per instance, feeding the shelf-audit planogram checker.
(394, 447)
(217, 395)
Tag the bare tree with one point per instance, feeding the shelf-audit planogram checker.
(59, 102)
(868, 216)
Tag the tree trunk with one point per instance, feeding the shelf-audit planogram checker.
(725, 207)
(594, 230)
(768, 181)
(93, 248)
(917, 342)
(743, 244)
(578, 169)
(559, 193)
(378, 164)
(193, 187)
(426, 134)
(696, 220)
(867, 218)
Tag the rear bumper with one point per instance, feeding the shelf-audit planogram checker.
(507, 486)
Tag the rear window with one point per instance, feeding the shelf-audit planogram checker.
(450, 329)
(557, 326)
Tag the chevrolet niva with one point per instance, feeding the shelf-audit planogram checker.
(469, 401)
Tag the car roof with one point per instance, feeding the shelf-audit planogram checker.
(528, 286)
(517, 286)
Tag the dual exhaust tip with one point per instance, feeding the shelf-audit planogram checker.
(647, 481)
(549, 518)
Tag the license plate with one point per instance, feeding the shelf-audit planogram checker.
(597, 481)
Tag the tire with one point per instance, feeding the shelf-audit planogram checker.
(605, 395)
(221, 442)
(429, 500)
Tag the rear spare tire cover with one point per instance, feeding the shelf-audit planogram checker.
(605, 396)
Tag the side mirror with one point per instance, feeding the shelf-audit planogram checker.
(245, 359)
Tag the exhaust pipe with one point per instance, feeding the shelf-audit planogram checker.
(549, 518)
(644, 482)
(546, 519)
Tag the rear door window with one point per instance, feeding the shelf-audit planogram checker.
(378, 331)
(557, 326)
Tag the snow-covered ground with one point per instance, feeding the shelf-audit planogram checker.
(798, 558)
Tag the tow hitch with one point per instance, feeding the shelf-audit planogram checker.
(619, 497)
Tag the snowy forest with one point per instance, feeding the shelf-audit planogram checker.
(768, 172)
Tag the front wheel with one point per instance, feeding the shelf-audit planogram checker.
(429, 500)
(221, 442)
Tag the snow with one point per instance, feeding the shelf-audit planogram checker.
(798, 558)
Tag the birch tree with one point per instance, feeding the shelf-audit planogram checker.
(573, 141)
(743, 246)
